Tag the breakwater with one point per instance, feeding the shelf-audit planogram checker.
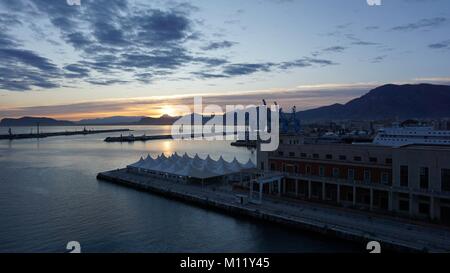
(133, 138)
(66, 133)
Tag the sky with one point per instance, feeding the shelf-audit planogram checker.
(140, 58)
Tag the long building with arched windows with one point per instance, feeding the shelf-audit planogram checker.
(411, 180)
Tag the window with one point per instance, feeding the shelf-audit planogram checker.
(404, 176)
(424, 208)
(351, 174)
(321, 171)
(357, 158)
(403, 205)
(342, 157)
(280, 153)
(292, 154)
(272, 166)
(303, 155)
(367, 175)
(328, 156)
(262, 166)
(308, 169)
(424, 177)
(385, 178)
(445, 179)
(388, 161)
(315, 155)
(336, 172)
(373, 160)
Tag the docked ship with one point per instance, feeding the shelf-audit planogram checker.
(398, 136)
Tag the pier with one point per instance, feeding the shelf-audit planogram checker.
(133, 138)
(244, 143)
(66, 133)
(393, 233)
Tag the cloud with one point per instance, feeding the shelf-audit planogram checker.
(106, 82)
(434, 80)
(22, 69)
(440, 45)
(422, 24)
(306, 62)
(114, 37)
(335, 49)
(364, 43)
(243, 69)
(378, 59)
(372, 28)
(357, 41)
(218, 45)
(208, 75)
(118, 39)
(76, 71)
(246, 68)
(304, 98)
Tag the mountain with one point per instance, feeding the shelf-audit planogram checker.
(116, 120)
(33, 121)
(162, 120)
(389, 101)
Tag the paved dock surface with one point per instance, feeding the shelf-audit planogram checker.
(401, 234)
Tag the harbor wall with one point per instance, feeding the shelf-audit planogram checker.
(235, 210)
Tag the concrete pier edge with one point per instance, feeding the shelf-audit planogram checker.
(235, 210)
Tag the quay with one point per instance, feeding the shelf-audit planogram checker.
(244, 143)
(133, 138)
(66, 133)
(393, 233)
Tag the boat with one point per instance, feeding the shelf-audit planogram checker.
(398, 136)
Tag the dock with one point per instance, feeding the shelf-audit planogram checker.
(393, 233)
(65, 133)
(245, 143)
(133, 138)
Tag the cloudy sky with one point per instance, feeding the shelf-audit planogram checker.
(116, 57)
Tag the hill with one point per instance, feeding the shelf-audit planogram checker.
(389, 101)
(33, 121)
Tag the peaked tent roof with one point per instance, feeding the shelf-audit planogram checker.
(191, 166)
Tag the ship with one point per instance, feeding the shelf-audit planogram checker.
(398, 136)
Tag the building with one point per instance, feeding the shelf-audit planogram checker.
(186, 169)
(412, 181)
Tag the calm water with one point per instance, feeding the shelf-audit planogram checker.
(49, 195)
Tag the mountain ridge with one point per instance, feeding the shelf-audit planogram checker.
(408, 101)
(34, 121)
(389, 101)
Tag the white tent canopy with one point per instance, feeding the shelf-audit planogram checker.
(191, 166)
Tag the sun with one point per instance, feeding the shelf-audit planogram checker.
(168, 110)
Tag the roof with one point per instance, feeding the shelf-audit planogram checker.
(427, 147)
(191, 166)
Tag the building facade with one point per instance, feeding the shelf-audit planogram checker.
(412, 181)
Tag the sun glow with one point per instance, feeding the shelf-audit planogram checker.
(168, 110)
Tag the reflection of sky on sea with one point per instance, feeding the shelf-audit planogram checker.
(49, 195)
